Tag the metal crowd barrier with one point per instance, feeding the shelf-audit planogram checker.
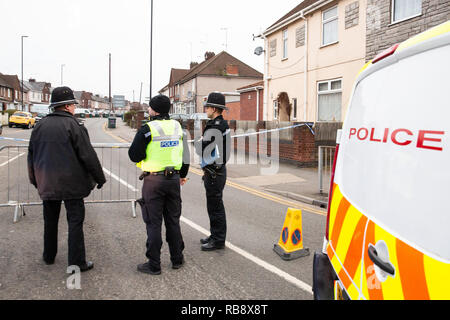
(122, 186)
(326, 161)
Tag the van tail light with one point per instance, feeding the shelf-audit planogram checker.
(330, 193)
(386, 53)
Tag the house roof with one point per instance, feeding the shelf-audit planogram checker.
(176, 75)
(12, 81)
(303, 5)
(253, 85)
(216, 66)
(4, 83)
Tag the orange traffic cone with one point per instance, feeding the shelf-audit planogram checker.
(290, 246)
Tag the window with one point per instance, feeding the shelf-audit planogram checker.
(273, 48)
(405, 9)
(294, 107)
(285, 44)
(330, 26)
(330, 100)
(275, 110)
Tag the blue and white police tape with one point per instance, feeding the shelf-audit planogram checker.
(14, 139)
(309, 125)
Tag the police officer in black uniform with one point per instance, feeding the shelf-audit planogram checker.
(160, 148)
(214, 150)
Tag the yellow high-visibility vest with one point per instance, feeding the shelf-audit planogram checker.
(166, 148)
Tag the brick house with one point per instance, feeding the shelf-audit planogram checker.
(221, 72)
(6, 94)
(393, 21)
(251, 103)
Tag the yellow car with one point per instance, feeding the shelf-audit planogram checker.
(22, 119)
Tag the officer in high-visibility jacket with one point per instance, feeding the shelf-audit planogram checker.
(161, 151)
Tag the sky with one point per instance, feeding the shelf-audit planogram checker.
(77, 36)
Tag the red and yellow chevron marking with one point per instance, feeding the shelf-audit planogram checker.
(418, 276)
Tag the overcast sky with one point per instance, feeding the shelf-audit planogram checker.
(81, 33)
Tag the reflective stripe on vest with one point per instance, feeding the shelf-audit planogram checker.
(165, 149)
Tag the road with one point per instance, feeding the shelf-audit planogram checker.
(248, 269)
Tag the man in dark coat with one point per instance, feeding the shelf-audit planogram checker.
(63, 166)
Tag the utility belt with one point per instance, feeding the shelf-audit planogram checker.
(214, 170)
(168, 172)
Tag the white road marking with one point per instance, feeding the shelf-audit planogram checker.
(11, 160)
(112, 175)
(300, 284)
(291, 279)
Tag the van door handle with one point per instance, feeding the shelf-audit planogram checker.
(386, 267)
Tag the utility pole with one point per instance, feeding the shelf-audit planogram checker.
(62, 66)
(226, 37)
(22, 72)
(151, 48)
(110, 100)
(140, 96)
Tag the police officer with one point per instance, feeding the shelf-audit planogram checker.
(161, 151)
(63, 166)
(214, 149)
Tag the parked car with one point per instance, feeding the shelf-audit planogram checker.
(22, 119)
(179, 116)
(387, 226)
(39, 116)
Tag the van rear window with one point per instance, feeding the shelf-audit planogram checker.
(395, 151)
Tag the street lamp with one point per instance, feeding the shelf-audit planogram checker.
(62, 66)
(22, 71)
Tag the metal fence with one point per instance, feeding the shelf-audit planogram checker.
(123, 185)
(326, 161)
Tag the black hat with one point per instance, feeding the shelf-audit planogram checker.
(216, 100)
(160, 104)
(62, 96)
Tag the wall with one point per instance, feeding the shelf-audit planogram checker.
(296, 146)
(379, 24)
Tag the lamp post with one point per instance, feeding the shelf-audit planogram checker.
(62, 66)
(22, 72)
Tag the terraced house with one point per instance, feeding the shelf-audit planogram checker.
(314, 53)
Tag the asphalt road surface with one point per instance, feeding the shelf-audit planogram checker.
(248, 269)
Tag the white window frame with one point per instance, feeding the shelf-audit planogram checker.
(275, 109)
(404, 19)
(327, 21)
(329, 91)
(294, 108)
(285, 38)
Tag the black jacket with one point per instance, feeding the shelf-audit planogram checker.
(62, 164)
(218, 126)
(138, 149)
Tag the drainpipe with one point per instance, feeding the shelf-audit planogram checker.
(305, 104)
(266, 80)
(257, 104)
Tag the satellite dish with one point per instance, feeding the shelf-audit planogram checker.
(259, 51)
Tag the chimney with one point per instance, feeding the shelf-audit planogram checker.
(232, 70)
(193, 65)
(32, 80)
(209, 55)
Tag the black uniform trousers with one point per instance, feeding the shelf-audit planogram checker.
(75, 219)
(214, 187)
(162, 199)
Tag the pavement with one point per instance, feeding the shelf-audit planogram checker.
(279, 178)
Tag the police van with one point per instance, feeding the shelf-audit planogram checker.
(388, 224)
